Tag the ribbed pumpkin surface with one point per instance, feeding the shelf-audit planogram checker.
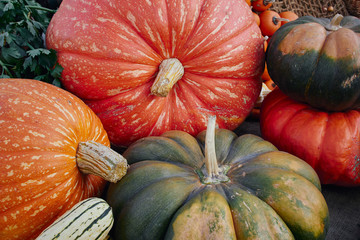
(260, 193)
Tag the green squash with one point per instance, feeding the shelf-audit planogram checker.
(216, 186)
(317, 61)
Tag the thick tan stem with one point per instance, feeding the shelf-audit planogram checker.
(210, 154)
(335, 23)
(170, 71)
(97, 159)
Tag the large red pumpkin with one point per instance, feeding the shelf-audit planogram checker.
(328, 141)
(47, 138)
(210, 55)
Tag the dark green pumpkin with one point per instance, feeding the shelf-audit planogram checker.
(259, 192)
(317, 61)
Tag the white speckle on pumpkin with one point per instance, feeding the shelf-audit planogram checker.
(133, 73)
(227, 92)
(230, 68)
(5, 218)
(148, 2)
(11, 228)
(67, 44)
(118, 51)
(19, 198)
(25, 165)
(94, 48)
(132, 19)
(2, 121)
(6, 199)
(150, 104)
(26, 138)
(38, 182)
(245, 99)
(161, 15)
(10, 173)
(28, 208)
(57, 143)
(51, 175)
(36, 134)
(54, 196)
(149, 31)
(14, 215)
(41, 208)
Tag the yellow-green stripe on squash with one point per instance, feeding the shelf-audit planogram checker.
(91, 218)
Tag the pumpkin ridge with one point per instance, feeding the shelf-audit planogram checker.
(288, 122)
(104, 58)
(218, 43)
(60, 96)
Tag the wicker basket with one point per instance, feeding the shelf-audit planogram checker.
(316, 8)
(353, 7)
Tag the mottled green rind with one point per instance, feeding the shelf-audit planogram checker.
(165, 149)
(148, 213)
(297, 201)
(141, 175)
(253, 218)
(205, 216)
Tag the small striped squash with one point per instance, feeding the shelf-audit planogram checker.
(91, 218)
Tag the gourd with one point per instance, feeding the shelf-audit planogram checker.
(328, 141)
(146, 67)
(316, 61)
(91, 218)
(54, 152)
(216, 186)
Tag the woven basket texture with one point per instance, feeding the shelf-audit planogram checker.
(353, 7)
(316, 8)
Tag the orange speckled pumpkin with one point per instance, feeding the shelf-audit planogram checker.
(41, 130)
(146, 67)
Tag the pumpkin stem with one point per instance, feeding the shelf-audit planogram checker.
(266, 2)
(170, 71)
(210, 154)
(335, 23)
(97, 159)
(276, 20)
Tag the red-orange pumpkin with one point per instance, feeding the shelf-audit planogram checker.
(111, 52)
(328, 141)
(41, 130)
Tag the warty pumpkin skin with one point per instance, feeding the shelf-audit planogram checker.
(258, 193)
(317, 61)
(328, 141)
(43, 133)
(113, 52)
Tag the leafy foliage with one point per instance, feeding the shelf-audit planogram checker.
(23, 53)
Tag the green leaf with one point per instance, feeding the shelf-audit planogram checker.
(23, 54)
(31, 27)
(56, 71)
(27, 62)
(8, 6)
